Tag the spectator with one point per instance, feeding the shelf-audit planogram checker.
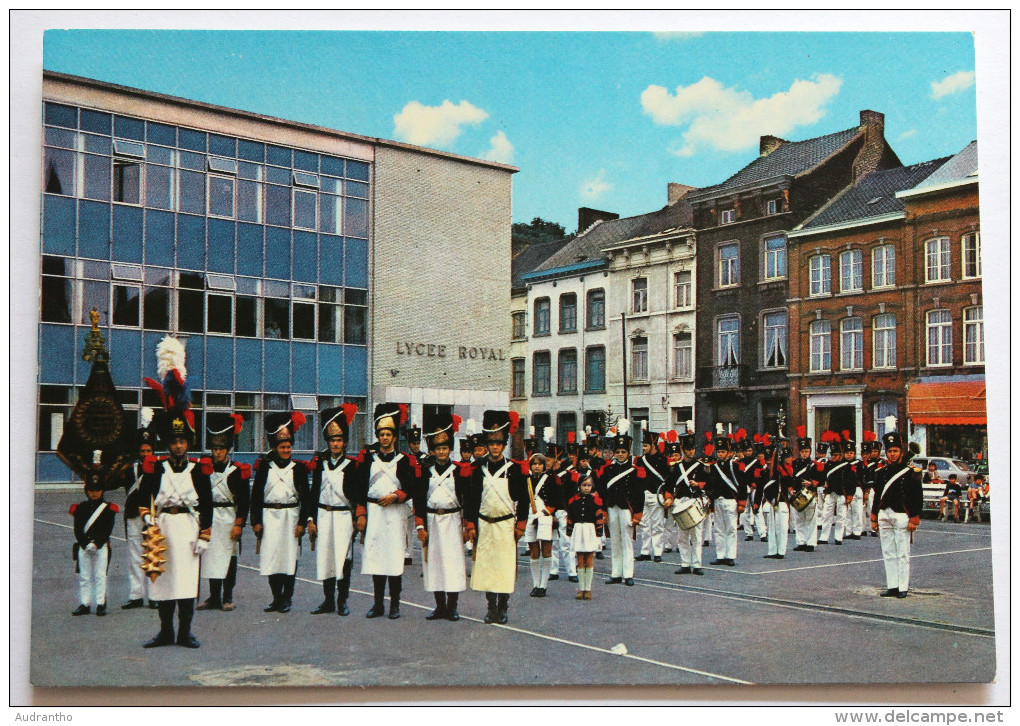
(977, 492)
(951, 494)
(931, 476)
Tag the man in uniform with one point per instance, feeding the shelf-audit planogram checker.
(495, 499)
(728, 492)
(93, 525)
(331, 519)
(684, 483)
(896, 513)
(132, 482)
(621, 487)
(871, 451)
(804, 471)
(656, 467)
(230, 493)
(775, 491)
(567, 478)
(841, 480)
(413, 438)
(386, 480)
(280, 505)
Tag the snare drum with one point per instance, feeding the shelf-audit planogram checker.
(688, 515)
(805, 497)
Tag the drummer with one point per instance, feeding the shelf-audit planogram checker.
(682, 490)
(780, 486)
(803, 473)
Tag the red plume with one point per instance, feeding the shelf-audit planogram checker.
(349, 410)
(403, 413)
(298, 419)
(846, 435)
(766, 439)
(190, 418)
(672, 436)
(802, 432)
(756, 439)
(870, 436)
(456, 423)
(709, 449)
(662, 446)
(238, 422)
(740, 434)
(155, 385)
(570, 437)
(708, 435)
(515, 420)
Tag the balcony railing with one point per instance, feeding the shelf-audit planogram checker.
(722, 377)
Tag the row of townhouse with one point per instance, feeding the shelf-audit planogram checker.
(823, 284)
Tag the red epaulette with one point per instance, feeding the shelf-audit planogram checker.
(573, 499)
(601, 469)
(205, 465)
(465, 468)
(149, 464)
(741, 465)
(245, 470)
(640, 472)
(74, 507)
(258, 464)
(575, 477)
(315, 462)
(525, 467)
(114, 508)
(414, 464)
(309, 465)
(598, 499)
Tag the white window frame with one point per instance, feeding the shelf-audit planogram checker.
(728, 268)
(939, 338)
(851, 344)
(683, 293)
(209, 178)
(854, 281)
(974, 351)
(137, 287)
(887, 276)
(820, 333)
(219, 293)
(727, 342)
(639, 296)
(820, 275)
(728, 216)
(974, 237)
(772, 207)
(683, 356)
(293, 208)
(883, 341)
(639, 372)
(773, 258)
(937, 260)
(781, 340)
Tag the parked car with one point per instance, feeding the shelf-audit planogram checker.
(945, 466)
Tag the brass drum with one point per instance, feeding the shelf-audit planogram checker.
(804, 499)
(688, 515)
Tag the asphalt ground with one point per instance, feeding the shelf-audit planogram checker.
(812, 618)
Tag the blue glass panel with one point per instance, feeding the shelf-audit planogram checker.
(303, 380)
(332, 165)
(222, 145)
(160, 134)
(194, 140)
(306, 160)
(278, 175)
(129, 128)
(58, 225)
(277, 365)
(190, 242)
(149, 342)
(331, 370)
(126, 356)
(355, 217)
(357, 170)
(277, 252)
(56, 354)
(96, 122)
(331, 260)
(251, 150)
(355, 371)
(249, 249)
(57, 115)
(356, 263)
(127, 233)
(219, 363)
(159, 238)
(196, 361)
(221, 246)
(52, 469)
(94, 230)
(249, 375)
(278, 155)
(305, 256)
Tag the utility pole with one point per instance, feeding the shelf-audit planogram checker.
(623, 337)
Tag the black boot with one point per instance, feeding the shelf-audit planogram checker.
(501, 608)
(287, 586)
(490, 615)
(185, 611)
(166, 625)
(451, 606)
(277, 590)
(228, 585)
(378, 609)
(344, 589)
(214, 602)
(395, 586)
(329, 592)
(440, 612)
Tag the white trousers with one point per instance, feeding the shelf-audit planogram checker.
(833, 517)
(671, 534)
(620, 537)
(855, 525)
(690, 541)
(725, 529)
(804, 526)
(564, 559)
(654, 521)
(138, 583)
(707, 526)
(778, 519)
(892, 529)
(867, 499)
(92, 575)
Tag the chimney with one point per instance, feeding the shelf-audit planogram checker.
(586, 217)
(873, 149)
(675, 192)
(768, 144)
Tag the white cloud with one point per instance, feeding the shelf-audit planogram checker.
(907, 134)
(730, 119)
(592, 189)
(435, 125)
(500, 149)
(955, 83)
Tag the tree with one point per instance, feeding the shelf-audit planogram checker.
(538, 230)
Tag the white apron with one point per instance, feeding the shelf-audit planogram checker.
(216, 559)
(495, 568)
(279, 548)
(383, 553)
(179, 580)
(335, 529)
(540, 524)
(445, 569)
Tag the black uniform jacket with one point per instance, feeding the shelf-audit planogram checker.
(627, 492)
(716, 484)
(695, 482)
(656, 467)
(805, 471)
(585, 508)
(408, 478)
(842, 478)
(101, 529)
(870, 471)
(258, 488)
(780, 484)
(153, 479)
(319, 464)
(237, 483)
(516, 485)
(133, 499)
(904, 494)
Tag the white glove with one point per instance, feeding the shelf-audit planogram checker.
(200, 546)
(91, 547)
(147, 520)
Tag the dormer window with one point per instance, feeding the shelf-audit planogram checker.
(772, 206)
(728, 216)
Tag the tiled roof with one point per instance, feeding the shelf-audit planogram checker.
(790, 158)
(531, 256)
(589, 244)
(873, 195)
(959, 167)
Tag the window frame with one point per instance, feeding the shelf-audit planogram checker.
(515, 390)
(564, 306)
(730, 265)
(941, 345)
(634, 355)
(587, 369)
(728, 216)
(596, 295)
(943, 255)
(538, 318)
(519, 325)
(687, 287)
(209, 180)
(639, 296)
(679, 348)
(855, 351)
(535, 371)
(964, 253)
(888, 271)
(855, 281)
(979, 343)
(733, 335)
(887, 334)
(783, 341)
(563, 356)
(816, 334)
(775, 258)
(825, 278)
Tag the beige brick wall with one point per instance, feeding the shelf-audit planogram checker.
(441, 273)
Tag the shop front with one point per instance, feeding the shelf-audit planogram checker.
(948, 416)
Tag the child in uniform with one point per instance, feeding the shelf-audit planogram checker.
(585, 520)
(93, 524)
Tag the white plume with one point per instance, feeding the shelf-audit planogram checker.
(587, 430)
(170, 354)
(690, 426)
(531, 432)
(146, 417)
(623, 426)
(719, 429)
(547, 433)
(471, 428)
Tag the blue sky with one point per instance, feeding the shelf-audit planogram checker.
(604, 120)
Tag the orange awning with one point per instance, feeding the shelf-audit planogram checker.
(952, 403)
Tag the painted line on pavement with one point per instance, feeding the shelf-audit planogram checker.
(515, 629)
